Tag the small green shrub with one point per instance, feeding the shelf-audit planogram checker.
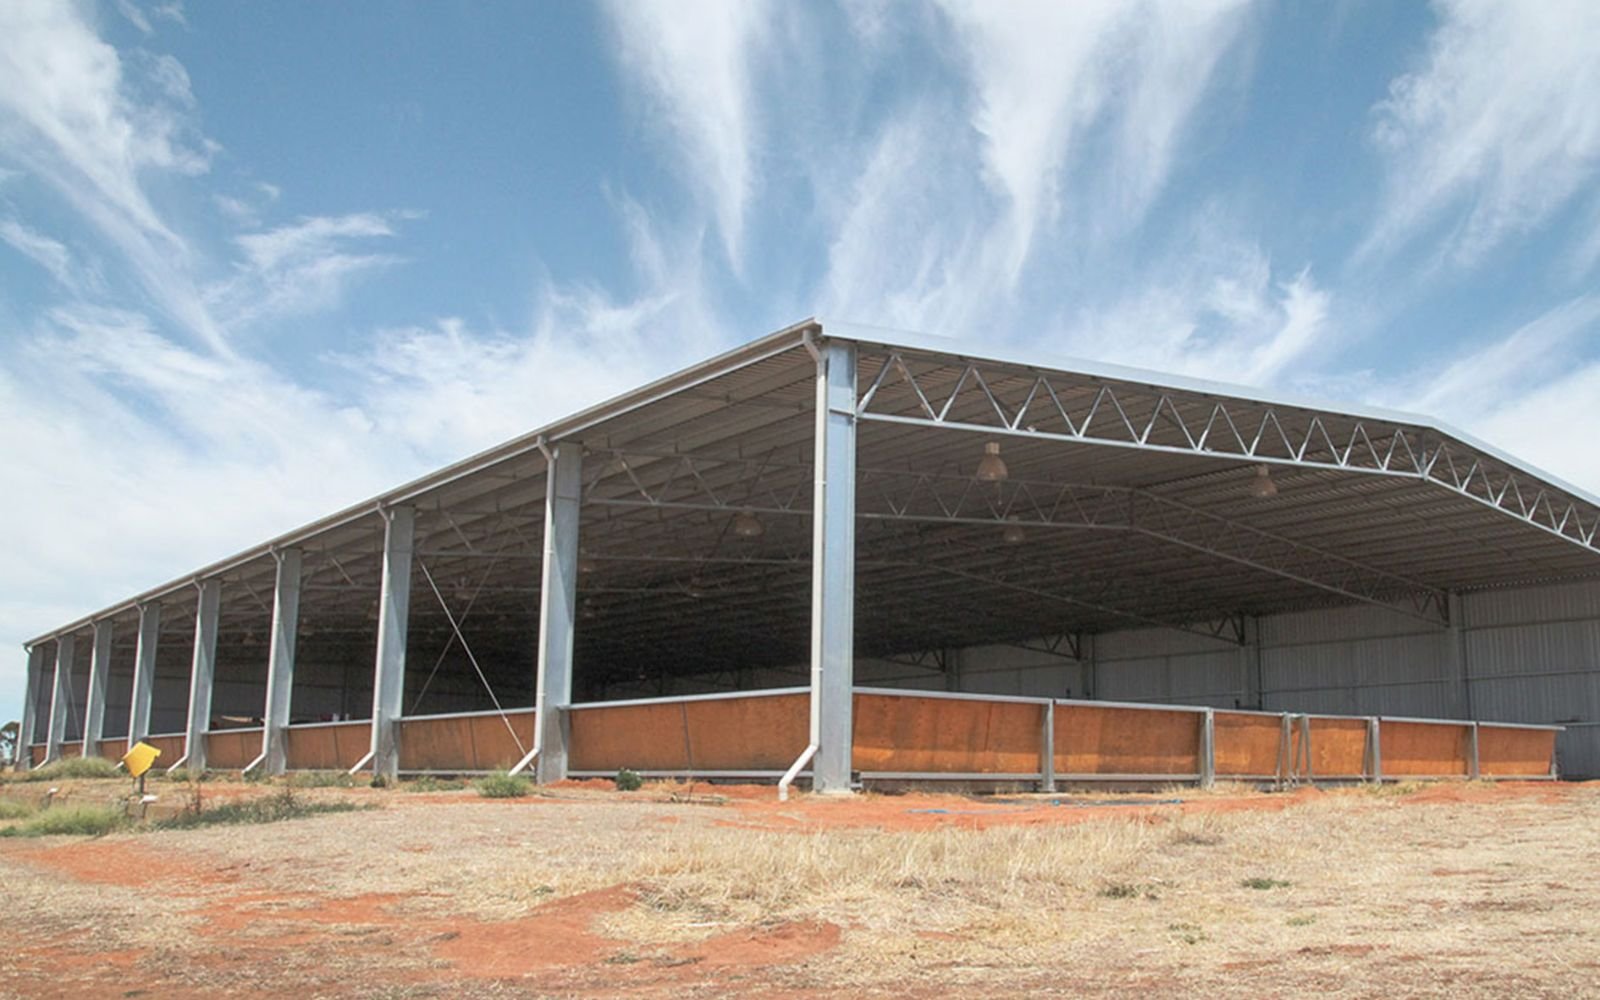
(429, 783)
(1302, 921)
(629, 781)
(1128, 890)
(503, 786)
(320, 779)
(274, 808)
(74, 767)
(1264, 883)
(77, 821)
(15, 809)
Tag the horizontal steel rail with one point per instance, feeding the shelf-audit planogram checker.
(680, 699)
(330, 725)
(485, 713)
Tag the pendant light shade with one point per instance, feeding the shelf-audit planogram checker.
(1013, 533)
(992, 468)
(747, 525)
(1262, 485)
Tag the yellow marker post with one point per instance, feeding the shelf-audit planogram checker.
(138, 760)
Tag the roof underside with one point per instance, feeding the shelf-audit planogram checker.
(1127, 504)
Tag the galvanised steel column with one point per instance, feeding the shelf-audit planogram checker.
(27, 734)
(60, 695)
(144, 672)
(833, 566)
(394, 610)
(202, 674)
(280, 661)
(558, 592)
(94, 702)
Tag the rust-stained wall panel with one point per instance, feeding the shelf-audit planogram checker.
(36, 754)
(1422, 749)
(1510, 752)
(724, 734)
(946, 735)
(464, 743)
(232, 749)
(113, 749)
(1091, 739)
(171, 748)
(337, 747)
(1339, 748)
(1247, 745)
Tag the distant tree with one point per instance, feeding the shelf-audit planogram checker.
(8, 742)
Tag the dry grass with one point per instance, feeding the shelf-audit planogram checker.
(1349, 893)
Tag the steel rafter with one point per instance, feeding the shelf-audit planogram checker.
(1085, 409)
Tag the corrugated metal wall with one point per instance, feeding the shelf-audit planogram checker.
(1528, 655)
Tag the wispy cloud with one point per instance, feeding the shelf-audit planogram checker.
(300, 267)
(694, 63)
(52, 255)
(1494, 131)
(1045, 74)
(74, 117)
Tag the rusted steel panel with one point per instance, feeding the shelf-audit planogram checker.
(1422, 749)
(471, 743)
(231, 750)
(171, 748)
(1096, 740)
(725, 734)
(1247, 744)
(329, 748)
(1339, 748)
(73, 749)
(1505, 752)
(36, 754)
(113, 749)
(943, 735)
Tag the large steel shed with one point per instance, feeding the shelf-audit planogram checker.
(830, 508)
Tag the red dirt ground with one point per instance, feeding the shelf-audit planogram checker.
(557, 940)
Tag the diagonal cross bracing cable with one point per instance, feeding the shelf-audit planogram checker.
(473, 659)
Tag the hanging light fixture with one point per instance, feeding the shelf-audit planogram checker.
(586, 564)
(747, 525)
(1013, 533)
(1262, 485)
(991, 467)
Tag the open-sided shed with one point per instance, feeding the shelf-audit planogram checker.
(766, 557)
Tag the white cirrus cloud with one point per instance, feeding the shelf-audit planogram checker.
(78, 118)
(1494, 131)
(695, 62)
(1044, 75)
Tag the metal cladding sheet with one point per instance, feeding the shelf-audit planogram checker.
(329, 748)
(465, 743)
(1247, 744)
(945, 735)
(1509, 752)
(723, 734)
(1095, 740)
(1422, 749)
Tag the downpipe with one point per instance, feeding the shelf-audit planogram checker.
(794, 771)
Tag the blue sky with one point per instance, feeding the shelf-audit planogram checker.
(261, 261)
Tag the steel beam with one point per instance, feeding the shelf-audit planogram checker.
(394, 609)
(60, 697)
(202, 674)
(94, 701)
(27, 733)
(280, 661)
(144, 672)
(833, 567)
(558, 600)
